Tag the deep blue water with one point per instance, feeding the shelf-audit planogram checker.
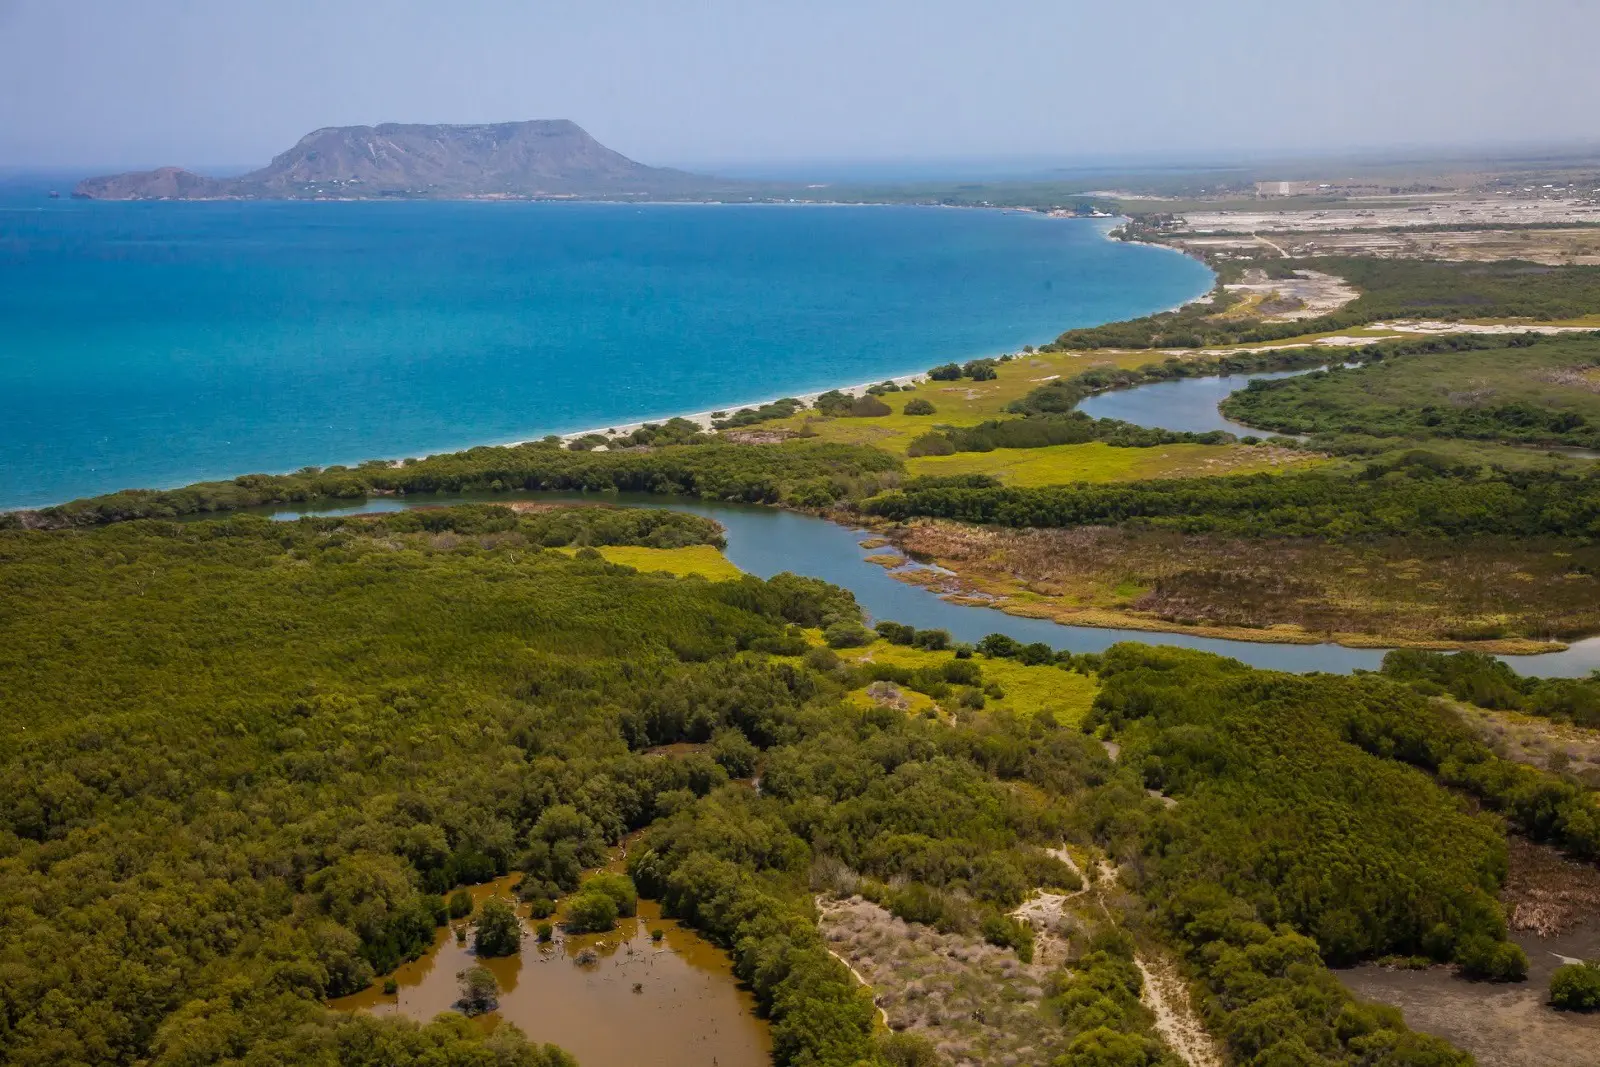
(156, 344)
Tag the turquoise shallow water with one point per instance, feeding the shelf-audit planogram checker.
(158, 344)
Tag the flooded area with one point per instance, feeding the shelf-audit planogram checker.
(667, 1003)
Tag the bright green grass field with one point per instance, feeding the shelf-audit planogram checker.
(703, 560)
(1028, 690)
(1097, 461)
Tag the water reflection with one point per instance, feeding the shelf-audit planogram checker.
(1183, 405)
(674, 1002)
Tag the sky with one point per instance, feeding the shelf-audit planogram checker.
(740, 84)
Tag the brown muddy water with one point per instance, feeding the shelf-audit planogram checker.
(670, 1004)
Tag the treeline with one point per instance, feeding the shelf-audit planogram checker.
(1422, 398)
(801, 473)
(1491, 683)
(1417, 494)
(1074, 428)
(1389, 288)
(548, 526)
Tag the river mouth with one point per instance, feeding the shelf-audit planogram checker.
(673, 1002)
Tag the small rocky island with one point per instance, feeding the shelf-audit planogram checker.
(537, 159)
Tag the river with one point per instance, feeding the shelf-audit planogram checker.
(765, 541)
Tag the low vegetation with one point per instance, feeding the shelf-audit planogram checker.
(1390, 289)
(801, 473)
(1490, 683)
(1356, 591)
(1546, 394)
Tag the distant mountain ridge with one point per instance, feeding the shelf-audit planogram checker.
(532, 159)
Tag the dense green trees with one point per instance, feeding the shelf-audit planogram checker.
(805, 473)
(1411, 496)
(244, 760)
(1491, 683)
(241, 757)
(1520, 390)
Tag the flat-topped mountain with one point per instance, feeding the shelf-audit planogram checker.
(538, 158)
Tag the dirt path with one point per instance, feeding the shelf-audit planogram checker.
(1275, 247)
(823, 905)
(1176, 1020)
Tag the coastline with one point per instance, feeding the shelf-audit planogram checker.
(704, 419)
(1103, 225)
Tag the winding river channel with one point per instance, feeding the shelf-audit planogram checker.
(765, 541)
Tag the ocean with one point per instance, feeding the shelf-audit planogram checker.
(156, 344)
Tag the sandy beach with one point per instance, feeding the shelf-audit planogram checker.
(703, 419)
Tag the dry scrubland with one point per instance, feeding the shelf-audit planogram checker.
(1408, 591)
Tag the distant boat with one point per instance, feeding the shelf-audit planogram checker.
(54, 195)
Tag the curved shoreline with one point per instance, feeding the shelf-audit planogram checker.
(700, 417)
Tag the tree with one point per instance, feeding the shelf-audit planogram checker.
(498, 931)
(460, 904)
(591, 912)
(479, 991)
(945, 372)
(619, 887)
(919, 406)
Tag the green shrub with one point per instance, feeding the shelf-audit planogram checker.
(931, 444)
(1007, 932)
(480, 993)
(847, 635)
(919, 406)
(869, 406)
(591, 912)
(460, 904)
(1576, 987)
(497, 931)
(619, 887)
(896, 633)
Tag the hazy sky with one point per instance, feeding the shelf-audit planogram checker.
(195, 82)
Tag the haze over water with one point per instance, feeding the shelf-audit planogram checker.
(155, 344)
